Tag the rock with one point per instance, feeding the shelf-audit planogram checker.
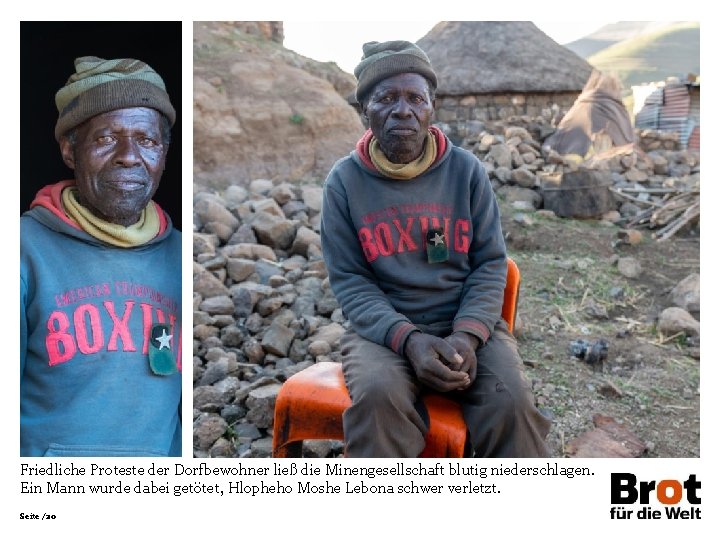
(282, 193)
(222, 231)
(523, 219)
(523, 177)
(635, 175)
(274, 231)
(222, 449)
(209, 211)
(200, 317)
(608, 389)
(674, 320)
(515, 131)
(242, 394)
(246, 432)
(202, 332)
(489, 139)
(232, 413)
(660, 164)
(327, 305)
(501, 155)
(248, 251)
(313, 196)
(207, 399)
(330, 333)
(616, 293)
(254, 351)
(208, 286)
(631, 237)
(218, 305)
(269, 206)
(319, 347)
(243, 235)
(228, 387)
(233, 336)
(303, 239)
(580, 194)
(595, 310)
(609, 439)
(686, 294)
(261, 186)
(215, 371)
(235, 195)
(628, 209)
(515, 193)
(504, 174)
(523, 206)
(240, 269)
(629, 267)
(317, 448)
(261, 405)
(267, 269)
(262, 448)
(257, 291)
(277, 339)
(204, 243)
(207, 429)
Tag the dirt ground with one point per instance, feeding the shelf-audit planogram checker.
(649, 382)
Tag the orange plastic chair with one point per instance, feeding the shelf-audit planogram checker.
(311, 403)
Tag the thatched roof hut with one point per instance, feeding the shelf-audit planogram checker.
(483, 57)
(495, 70)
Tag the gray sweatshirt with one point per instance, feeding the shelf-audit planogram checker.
(375, 242)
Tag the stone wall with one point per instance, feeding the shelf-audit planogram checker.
(465, 114)
(651, 139)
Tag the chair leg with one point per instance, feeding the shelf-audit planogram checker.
(289, 450)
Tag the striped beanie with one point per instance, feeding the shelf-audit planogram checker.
(100, 85)
(383, 60)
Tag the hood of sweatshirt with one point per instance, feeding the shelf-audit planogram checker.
(47, 209)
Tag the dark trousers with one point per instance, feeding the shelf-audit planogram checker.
(385, 419)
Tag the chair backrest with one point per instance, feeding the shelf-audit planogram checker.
(512, 291)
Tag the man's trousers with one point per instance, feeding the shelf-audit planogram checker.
(387, 418)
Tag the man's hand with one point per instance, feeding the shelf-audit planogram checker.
(466, 345)
(436, 363)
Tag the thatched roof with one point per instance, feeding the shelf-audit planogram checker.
(472, 57)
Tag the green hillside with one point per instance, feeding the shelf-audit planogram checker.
(671, 51)
(610, 34)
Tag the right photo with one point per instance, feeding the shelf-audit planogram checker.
(446, 239)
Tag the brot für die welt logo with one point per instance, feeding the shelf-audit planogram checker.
(679, 499)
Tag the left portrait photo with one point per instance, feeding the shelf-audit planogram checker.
(100, 239)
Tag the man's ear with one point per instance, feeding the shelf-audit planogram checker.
(67, 151)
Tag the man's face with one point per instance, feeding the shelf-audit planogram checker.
(399, 110)
(118, 158)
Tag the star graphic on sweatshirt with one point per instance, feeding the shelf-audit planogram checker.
(164, 340)
(438, 239)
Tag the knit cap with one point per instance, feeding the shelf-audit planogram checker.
(99, 86)
(383, 60)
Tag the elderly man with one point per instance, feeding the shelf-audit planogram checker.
(100, 276)
(415, 254)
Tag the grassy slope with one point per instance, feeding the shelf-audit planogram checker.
(672, 51)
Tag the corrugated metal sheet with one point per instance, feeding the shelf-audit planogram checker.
(675, 107)
(694, 141)
(675, 111)
(695, 104)
(649, 115)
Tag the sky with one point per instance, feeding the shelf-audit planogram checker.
(341, 42)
